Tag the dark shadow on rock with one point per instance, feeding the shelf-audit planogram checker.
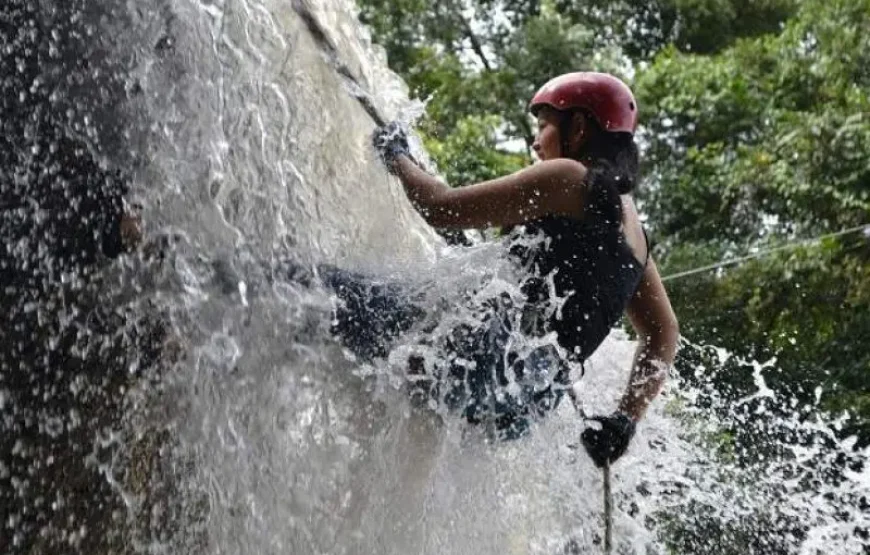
(68, 359)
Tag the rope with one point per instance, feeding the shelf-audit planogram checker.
(608, 494)
(330, 51)
(765, 252)
(608, 512)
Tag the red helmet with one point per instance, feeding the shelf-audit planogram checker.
(607, 98)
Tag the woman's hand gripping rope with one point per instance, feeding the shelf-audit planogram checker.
(604, 446)
(391, 141)
(608, 438)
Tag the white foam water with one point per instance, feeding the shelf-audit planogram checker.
(255, 151)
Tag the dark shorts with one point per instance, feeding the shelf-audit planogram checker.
(476, 373)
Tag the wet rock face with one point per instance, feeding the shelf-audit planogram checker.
(65, 356)
(60, 206)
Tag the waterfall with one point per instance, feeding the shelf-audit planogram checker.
(188, 397)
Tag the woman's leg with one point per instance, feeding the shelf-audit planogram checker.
(371, 312)
(470, 375)
(510, 391)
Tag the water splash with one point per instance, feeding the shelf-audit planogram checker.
(235, 424)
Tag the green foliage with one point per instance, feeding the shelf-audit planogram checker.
(467, 63)
(643, 27)
(470, 153)
(698, 527)
(762, 142)
(773, 129)
(809, 308)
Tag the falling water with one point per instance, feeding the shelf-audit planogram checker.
(188, 397)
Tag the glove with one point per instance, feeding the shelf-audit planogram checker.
(609, 443)
(390, 141)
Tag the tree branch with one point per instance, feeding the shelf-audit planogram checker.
(475, 43)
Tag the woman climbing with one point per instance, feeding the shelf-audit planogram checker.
(591, 254)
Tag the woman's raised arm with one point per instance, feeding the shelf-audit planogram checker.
(554, 187)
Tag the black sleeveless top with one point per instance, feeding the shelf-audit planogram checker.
(582, 275)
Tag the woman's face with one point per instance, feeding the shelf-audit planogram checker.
(548, 140)
(548, 143)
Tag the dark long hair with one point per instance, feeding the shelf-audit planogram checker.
(613, 167)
